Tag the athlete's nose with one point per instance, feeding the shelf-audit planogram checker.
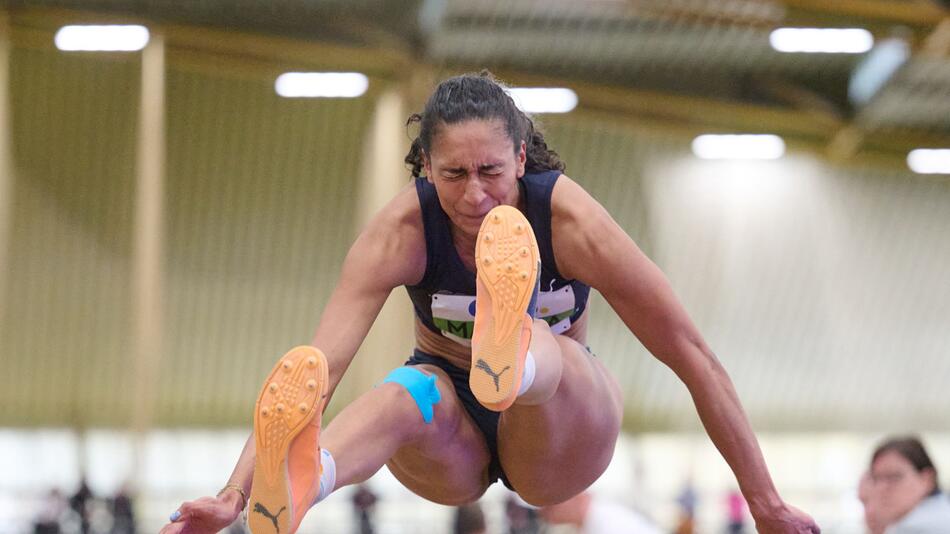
(474, 194)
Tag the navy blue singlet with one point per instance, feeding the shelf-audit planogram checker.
(445, 298)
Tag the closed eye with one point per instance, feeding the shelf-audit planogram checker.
(453, 174)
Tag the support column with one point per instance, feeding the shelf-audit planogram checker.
(148, 255)
(7, 169)
(383, 175)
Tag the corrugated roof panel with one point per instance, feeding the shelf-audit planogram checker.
(259, 191)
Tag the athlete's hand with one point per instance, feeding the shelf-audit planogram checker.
(787, 520)
(207, 515)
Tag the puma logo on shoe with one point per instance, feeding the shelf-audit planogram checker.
(483, 365)
(259, 508)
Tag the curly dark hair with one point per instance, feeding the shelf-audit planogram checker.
(478, 96)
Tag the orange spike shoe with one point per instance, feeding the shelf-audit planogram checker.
(286, 433)
(507, 260)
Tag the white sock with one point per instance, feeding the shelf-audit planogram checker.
(328, 477)
(527, 378)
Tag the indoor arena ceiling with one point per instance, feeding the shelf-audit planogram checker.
(686, 63)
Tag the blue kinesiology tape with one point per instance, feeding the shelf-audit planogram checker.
(420, 386)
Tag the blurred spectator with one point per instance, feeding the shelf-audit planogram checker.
(363, 502)
(79, 502)
(522, 518)
(51, 512)
(238, 527)
(735, 512)
(687, 501)
(592, 515)
(123, 516)
(901, 493)
(469, 519)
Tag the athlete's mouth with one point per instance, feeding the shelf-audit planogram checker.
(474, 218)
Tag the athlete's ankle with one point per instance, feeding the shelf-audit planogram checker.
(327, 476)
(543, 367)
(534, 391)
(527, 378)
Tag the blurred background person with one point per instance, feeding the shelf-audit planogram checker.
(50, 514)
(735, 512)
(469, 519)
(123, 512)
(593, 515)
(363, 502)
(901, 494)
(80, 503)
(687, 500)
(522, 518)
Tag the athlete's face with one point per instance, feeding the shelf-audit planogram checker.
(474, 168)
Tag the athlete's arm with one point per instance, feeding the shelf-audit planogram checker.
(591, 247)
(388, 253)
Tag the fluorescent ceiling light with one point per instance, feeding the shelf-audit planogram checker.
(822, 40)
(746, 146)
(544, 99)
(929, 160)
(321, 84)
(101, 38)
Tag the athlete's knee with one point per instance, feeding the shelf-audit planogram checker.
(542, 338)
(540, 326)
(420, 387)
(433, 414)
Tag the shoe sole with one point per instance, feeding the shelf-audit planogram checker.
(292, 396)
(506, 256)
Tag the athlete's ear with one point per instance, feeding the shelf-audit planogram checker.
(522, 158)
(427, 166)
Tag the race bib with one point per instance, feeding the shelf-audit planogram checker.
(454, 315)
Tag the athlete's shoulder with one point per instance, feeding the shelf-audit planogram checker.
(543, 177)
(572, 203)
(401, 214)
(579, 227)
(394, 239)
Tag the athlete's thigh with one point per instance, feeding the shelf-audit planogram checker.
(449, 465)
(554, 450)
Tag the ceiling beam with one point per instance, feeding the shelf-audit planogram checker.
(219, 48)
(698, 111)
(707, 14)
(919, 13)
(687, 116)
(937, 44)
(847, 141)
(382, 61)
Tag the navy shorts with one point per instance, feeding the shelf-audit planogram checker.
(485, 419)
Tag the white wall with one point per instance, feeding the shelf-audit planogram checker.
(817, 472)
